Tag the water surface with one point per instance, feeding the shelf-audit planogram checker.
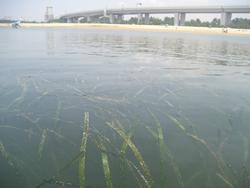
(182, 100)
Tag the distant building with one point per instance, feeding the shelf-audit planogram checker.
(49, 16)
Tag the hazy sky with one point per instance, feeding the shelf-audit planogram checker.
(35, 9)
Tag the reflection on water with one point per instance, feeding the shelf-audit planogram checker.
(50, 43)
(165, 109)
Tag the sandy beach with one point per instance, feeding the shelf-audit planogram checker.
(146, 28)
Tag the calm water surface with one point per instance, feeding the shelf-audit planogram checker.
(165, 109)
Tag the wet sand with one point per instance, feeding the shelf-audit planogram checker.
(146, 28)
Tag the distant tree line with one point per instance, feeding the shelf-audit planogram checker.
(134, 20)
(235, 23)
(198, 23)
(240, 23)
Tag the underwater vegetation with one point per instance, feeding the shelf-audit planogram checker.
(84, 135)
(226, 177)
(112, 147)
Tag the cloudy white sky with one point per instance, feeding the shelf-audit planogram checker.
(34, 9)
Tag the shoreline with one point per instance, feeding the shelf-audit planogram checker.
(146, 28)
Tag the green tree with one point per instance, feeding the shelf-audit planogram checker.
(168, 21)
(155, 21)
(133, 20)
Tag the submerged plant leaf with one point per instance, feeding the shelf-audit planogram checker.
(11, 127)
(164, 153)
(135, 151)
(121, 155)
(36, 86)
(160, 137)
(224, 180)
(177, 123)
(20, 99)
(5, 155)
(99, 141)
(140, 91)
(105, 99)
(42, 143)
(219, 161)
(59, 136)
(245, 147)
(106, 166)
(132, 165)
(82, 162)
(125, 145)
(57, 115)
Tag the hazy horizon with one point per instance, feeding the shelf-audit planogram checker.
(35, 9)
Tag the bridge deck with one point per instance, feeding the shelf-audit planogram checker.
(162, 10)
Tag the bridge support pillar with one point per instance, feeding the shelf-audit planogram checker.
(225, 18)
(179, 19)
(111, 18)
(147, 19)
(69, 20)
(139, 18)
(182, 19)
(89, 19)
(75, 20)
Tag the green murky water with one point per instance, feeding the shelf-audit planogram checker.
(93, 108)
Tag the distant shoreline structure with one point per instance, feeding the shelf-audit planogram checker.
(143, 13)
(129, 27)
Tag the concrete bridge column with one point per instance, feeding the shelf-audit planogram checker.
(176, 19)
(111, 18)
(75, 20)
(89, 19)
(105, 12)
(139, 18)
(225, 18)
(179, 19)
(69, 20)
(147, 18)
(182, 19)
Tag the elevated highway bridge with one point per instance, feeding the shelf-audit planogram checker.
(145, 12)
